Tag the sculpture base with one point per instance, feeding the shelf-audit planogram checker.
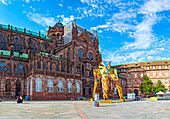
(122, 100)
(105, 101)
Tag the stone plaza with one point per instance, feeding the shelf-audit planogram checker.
(84, 109)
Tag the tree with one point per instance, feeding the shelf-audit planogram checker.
(169, 88)
(159, 87)
(147, 85)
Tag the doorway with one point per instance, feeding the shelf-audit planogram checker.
(18, 88)
(136, 92)
(8, 86)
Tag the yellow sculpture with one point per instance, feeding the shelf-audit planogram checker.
(105, 73)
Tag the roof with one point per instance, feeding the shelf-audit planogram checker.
(149, 63)
(28, 32)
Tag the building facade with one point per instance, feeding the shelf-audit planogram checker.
(134, 73)
(56, 66)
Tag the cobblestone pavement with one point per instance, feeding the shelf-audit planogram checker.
(84, 109)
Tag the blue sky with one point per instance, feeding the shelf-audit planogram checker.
(128, 30)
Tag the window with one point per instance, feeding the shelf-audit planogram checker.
(166, 66)
(122, 82)
(61, 57)
(38, 65)
(129, 83)
(69, 87)
(135, 82)
(147, 67)
(129, 75)
(2, 42)
(153, 67)
(82, 69)
(67, 69)
(160, 67)
(141, 74)
(129, 90)
(135, 75)
(160, 74)
(60, 86)
(166, 73)
(77, 87)
(68, 53)
(51, 67)
(57, 69)
(3, 67)
(38, 85)
(31, 87)
(62, 68)
(58, 36)
(34, 46)
(81, 53)
(27, 87)
(50, 85)
(90, 56)
(19, 69)
(166, 81)
(44, 66)
(148, 74)
(153, 74)
(115, 90)
(17, 44)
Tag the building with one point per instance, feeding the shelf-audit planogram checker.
(58, 65)
(134, 73)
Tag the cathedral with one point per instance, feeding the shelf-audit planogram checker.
(56, 66)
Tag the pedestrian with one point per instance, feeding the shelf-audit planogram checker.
(19, 100)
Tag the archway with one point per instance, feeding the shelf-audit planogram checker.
(136, 92)
(90, 91)
(18, 88)
(84, 91)
(8, 86)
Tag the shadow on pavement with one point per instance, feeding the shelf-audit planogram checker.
(107, 105)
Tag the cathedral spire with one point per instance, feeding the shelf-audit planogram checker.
(74, 30)
(75, 23)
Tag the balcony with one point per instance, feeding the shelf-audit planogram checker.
(2, 73)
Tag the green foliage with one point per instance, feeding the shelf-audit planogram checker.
(159, 87)
(169, 88)
(147, 85)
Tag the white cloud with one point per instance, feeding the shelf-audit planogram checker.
(66, 20)
(60, 5)
(5, 2)
(100, 31)
(154, 6)
(41, 19)
(27, 1)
